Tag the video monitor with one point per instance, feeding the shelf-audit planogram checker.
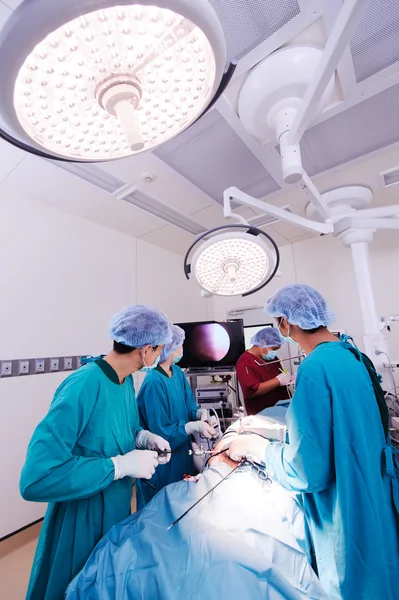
(212, 344)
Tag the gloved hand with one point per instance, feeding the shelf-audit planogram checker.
(202, 414)
(285, 379)
(150, 441)
(140, 464)
(200, 427)
(250, 446)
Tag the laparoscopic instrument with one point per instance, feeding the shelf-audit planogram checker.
(197, 452)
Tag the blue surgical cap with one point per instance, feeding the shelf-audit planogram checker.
(301, 305)
(177, 341)
(267, 338)
(138, 326)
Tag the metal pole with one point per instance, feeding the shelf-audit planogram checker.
(374, 339)
(361, 261)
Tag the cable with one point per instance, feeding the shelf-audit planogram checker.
(205, 495)
(213, 456)
(223, 417)
(378, 352)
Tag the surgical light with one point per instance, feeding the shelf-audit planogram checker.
(93, 80)
(235, 260)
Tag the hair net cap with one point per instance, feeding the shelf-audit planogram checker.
(301, 305)
(138, 326)
(267, 338)
(177, 340)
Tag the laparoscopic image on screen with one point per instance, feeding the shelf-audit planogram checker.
(211, 344)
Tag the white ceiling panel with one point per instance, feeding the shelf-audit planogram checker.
(375, 45)
(5, 12)
(12, 3)
(288, 230)
(248, 23)
(10, 157)
(213, 157)
(277, 237)
(171, 238)
(44, 182)
(210, 217)
(364, 128)
(303, 238)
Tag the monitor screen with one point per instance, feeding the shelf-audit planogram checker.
(250, 331)
(212, 344)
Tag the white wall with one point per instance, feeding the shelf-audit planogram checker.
(161, 282)
(62, 279)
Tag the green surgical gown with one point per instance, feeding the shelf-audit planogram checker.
(336, 458)
(166, 404)
(68, 465)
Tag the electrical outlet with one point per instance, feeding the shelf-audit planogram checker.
(39, 365)
(23, 367)
(67, 364)
(54, 364)
(6, 369)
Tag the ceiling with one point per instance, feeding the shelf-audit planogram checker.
(174, 193)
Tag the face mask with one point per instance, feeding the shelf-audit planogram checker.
(287, 338)
(177, 359)
(271, 355)
(146, 368)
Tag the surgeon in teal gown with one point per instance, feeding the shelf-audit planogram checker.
(167, 407)
(339, 456)
(84, 453)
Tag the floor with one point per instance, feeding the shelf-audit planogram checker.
(16, 557)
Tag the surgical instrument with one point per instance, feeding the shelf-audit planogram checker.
(197, 452)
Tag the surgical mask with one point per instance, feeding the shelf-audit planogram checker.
(271, 355)
(287, 338)
(177, 359)
(147, 369)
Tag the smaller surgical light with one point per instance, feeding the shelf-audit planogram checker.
(233, 263)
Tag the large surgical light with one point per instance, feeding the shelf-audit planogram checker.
(233, 263)
(92, 80)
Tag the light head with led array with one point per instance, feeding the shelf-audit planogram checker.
(233, 260)
(97, 80)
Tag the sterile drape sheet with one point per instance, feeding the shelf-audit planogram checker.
(247, 539)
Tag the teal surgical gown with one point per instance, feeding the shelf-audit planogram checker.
(68, 464)
(336, 458)
(166, 404)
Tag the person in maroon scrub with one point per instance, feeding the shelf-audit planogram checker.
(260, 373)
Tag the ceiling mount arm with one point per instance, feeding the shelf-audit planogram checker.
(229, 214)
(316, 198)
(237, 195)
(349, 223)
(340, 36)
(377, 211)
